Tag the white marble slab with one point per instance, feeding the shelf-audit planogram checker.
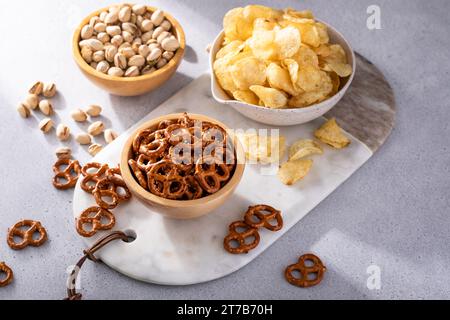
(180, 252)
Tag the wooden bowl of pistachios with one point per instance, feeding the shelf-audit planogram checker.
(128, 49)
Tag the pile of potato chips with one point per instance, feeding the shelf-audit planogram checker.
(271, 149)
(278, 58)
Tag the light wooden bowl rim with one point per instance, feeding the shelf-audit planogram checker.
(173, 63)
(136, 188)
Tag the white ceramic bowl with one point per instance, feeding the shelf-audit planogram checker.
(284, 117)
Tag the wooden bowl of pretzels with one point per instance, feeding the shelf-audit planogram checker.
(184, 165)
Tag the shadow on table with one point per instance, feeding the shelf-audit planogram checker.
(130, 110)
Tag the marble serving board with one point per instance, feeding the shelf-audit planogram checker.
(182, 252)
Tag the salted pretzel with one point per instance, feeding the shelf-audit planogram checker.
(109, 188)
(166, 159)
(210, 173)
(317, 269)
(261, 215)
(70, 173)
(165, 123)
(9, 275)
(240, 237)
(94, 217)
(92, 177)
(193, 189)
(164, 180)
(17, 231)
(137, 171)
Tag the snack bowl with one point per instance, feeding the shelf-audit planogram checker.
(181, 209)
(130, 86)
(284, 116)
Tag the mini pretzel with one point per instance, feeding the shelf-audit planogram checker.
(164, 124)
(235, 236)
(93, 216)
(9, 275)
(165, 181)
(26, 235)
(210, 173)
(91, 178)
(317, 269)
(263, 214)
(70, 173)
(109, 188)
(186, 121)
(193, 188)
(137, 171)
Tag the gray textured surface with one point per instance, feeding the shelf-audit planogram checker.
(394, 212)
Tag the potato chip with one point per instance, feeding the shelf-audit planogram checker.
(303, 148)
(248, 71)
(271, 149)
(264, 24)
(287, 41)
(252, 12)
(331, 134)
(294, 170)
(301, 67)
(336, 81)
(261, 148)
(321, 93)
(323, 33)
(262, 44)
(235, 25)
(279, 78)
(323, 50)
(304, 14)
(271, 98)
(309, 77)
(246, 96)
(236, 45)
(305, 55)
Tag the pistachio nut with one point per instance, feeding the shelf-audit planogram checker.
(78, 115)
(83, 138)
(110, 52)
(154, 55)
(93, 44)
(86, 53)
(117, 40)
(113, 30)
(146, 25)
(23, 110)
(112, 17)
(139, 9)
(120, 61)
(145, 37)
(32, 101)
(36, 88)
(144, 50)
(132, 71)
(100, 27)
(103, 66)
(96, 128)
(166, 25)
(157, 17)
(163, 36)
(46, 107)
(170, 44)
(98, 56)
(127, 37)
(115, 72)
(157, 32)
(136, 60)
(94, 149)
(110, 135)
(46, 125)
(63, 132)
(87, 31)
(94, 110)
(49, 90)
(63, 153)
(125, 14)
(161, 63)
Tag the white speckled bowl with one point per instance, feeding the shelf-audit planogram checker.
(284, 117)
